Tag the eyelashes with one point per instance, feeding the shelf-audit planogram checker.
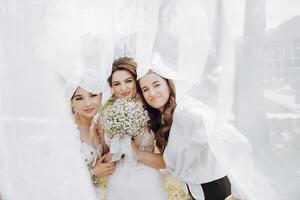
(116, 84)
(126, 81)
(155, 86)
(81, 98)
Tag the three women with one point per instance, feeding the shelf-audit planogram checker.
(181, 135)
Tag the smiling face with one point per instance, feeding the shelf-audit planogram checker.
(123, 84)
(86, 104)
(155, 90)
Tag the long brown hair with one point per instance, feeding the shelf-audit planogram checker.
(161, 122)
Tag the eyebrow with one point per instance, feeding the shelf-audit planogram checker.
(152, 84)
(124, 80)
(128, 78)
(77, 95)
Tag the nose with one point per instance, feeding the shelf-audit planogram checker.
(88, 102)
(151, 92)
(123, 87)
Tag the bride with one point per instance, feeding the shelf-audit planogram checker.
(138, 181)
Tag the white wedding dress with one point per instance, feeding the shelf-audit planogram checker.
(137, 181)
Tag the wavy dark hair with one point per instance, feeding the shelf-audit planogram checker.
(161, 122)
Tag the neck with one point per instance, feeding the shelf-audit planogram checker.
(85, 121)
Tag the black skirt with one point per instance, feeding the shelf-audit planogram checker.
(216, 190)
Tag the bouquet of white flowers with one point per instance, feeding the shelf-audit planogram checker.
(124, 117)
(121, 120)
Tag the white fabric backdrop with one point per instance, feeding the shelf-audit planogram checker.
(249, 78)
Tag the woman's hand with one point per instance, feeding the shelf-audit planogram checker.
(100, 135)
(102, 169)
(94, 135)
(100, 131)
(93, 131)
(96, 130)
(150, 159)
(97, 135)
(107, 157)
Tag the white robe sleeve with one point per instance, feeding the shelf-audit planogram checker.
(201, 150)
(189, 142)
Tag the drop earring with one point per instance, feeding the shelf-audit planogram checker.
(162, 120)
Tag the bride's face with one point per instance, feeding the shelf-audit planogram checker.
(123, 84)
(86, 104)
(155, 90)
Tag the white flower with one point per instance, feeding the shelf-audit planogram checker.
(124, 117)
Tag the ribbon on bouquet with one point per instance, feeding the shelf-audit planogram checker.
(122, 146)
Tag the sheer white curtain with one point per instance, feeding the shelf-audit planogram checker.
(40, 154)
(240, 58)
(225, 56)
(266, 99)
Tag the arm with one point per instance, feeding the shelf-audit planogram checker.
(98, 133)
(150, 159)
(105, 147)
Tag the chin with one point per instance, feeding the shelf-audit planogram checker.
(90, 115)
(127, 97)
(156, 106)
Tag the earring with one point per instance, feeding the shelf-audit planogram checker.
(162, 120)
(74, 111)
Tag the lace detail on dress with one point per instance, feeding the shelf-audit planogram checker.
(90, 154)
(145, 140)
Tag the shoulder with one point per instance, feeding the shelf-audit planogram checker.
(109, 103)
(192, 109)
